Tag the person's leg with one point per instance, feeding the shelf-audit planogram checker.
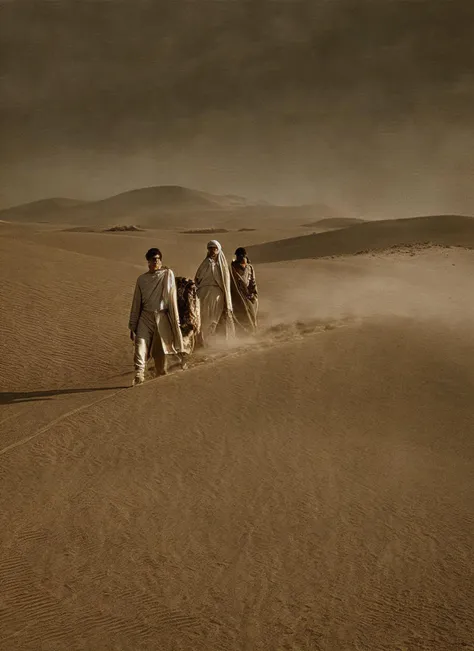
(188, 348)
(139, 359)
(159, 357)
(212, 306)
(143, 342)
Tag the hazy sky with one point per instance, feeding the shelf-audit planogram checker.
(366, 104)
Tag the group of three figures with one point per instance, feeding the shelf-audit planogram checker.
(171, 316)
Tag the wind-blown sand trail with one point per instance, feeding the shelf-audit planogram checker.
(310, 490)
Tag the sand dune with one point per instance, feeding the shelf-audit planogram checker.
(159, 198)
(165, 207)
(334, 222)
(445, 230)
(308, 489)
(46, 305)
(174, 197)
(39, 211)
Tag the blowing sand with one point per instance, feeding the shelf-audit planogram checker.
(308, 490)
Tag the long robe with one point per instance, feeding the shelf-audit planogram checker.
(244, 297)
(214, 293)
(154, 319)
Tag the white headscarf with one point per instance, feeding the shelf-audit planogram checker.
(221, 263)
(214, 244)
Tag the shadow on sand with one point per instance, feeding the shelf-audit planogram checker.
(8, 398)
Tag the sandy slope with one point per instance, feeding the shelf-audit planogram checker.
(320, 506)
(39, 211)
(334, 222)
(312, 490)
(446, 230)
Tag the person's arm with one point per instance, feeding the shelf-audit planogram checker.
(170, 295)
(253, 291)
(172, 308)
(135, 310)
(197, 277)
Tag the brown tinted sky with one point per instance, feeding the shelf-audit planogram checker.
(366, 104)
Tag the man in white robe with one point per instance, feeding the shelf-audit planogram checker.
(214, 293)
(154, 319)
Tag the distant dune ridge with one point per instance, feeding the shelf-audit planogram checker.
(155, 197)
(43, 210)
(163, 207)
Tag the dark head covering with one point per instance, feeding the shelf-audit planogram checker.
(151, 253)
(241, 252)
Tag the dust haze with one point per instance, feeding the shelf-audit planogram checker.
(363, 105)
(352, 289)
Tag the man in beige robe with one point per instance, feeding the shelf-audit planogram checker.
(214, 293)
(154, 320)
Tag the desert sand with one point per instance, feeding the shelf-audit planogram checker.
(311, 489)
